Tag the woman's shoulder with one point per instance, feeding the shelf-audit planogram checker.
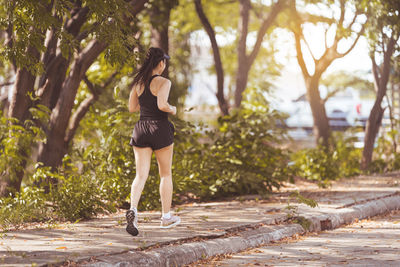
(161, 82)
(160, 79)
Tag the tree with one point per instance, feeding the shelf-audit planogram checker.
(312, 79)
(223, 104)
(340, 80)
(383, 34)
(245, 59)
(56, 42)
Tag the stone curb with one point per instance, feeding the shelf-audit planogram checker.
(190, 252)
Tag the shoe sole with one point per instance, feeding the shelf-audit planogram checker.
(130, 228)
(171, 225)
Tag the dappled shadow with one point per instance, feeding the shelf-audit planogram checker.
(369, 245)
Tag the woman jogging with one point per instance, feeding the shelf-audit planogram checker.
(152, 132)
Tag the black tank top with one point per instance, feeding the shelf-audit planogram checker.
(148, 105)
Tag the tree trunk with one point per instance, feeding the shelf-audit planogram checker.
(245, 61)
(20, 103)
(9, 184)
(321, 127)
(223, 105)
(19, 109)
(56, 65)
(372, 128)
(59, 132)
(53, 151)
(381, 78)
(242, 70)
(159, 19)
(241, 83)
(24, 84)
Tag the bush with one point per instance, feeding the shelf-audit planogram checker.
(27, 205)
(323, 164)
(385, 158)
(243, 155)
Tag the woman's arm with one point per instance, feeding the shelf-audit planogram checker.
(162, 97)
(133, 101)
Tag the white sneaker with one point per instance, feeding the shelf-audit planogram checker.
(168, 223)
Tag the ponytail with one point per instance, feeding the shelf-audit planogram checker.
(153, 57)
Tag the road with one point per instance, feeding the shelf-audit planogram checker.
(369, 242)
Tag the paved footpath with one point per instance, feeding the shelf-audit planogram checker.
(368, 242)
(207, 229)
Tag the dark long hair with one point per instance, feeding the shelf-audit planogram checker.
(153, 56)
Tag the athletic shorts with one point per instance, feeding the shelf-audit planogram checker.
(153, 133)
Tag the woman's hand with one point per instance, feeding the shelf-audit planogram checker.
(173, 112)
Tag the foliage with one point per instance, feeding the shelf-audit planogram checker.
(75, 196)
(244, 152)
(383, 22)
(29, 21)
(27, 205)
(323, 164)
(244, 158)
(16, 140)
(104, 153)
(386, 158)
(341, 80)
(292, 213)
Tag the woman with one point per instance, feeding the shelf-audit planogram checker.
(153, 132)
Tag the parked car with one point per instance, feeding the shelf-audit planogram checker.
(344, 110)
(338, 109)
(338, 120)
(301, 116)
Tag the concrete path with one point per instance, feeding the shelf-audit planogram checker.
(105, 241)
(369, 242)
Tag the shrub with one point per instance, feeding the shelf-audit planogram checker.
(323, 164)
(243, 155)
(385, 158)
(27, 205)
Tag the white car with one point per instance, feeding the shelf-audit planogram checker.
(344, 110)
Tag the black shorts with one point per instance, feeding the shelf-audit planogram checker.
(153, 133)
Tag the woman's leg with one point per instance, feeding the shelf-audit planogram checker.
(143, 160)
(164, 160)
